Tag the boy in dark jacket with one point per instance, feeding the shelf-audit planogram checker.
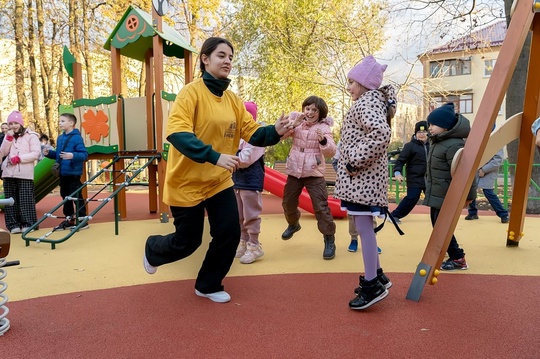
(447, 133)
(71, 154)
(413, 155)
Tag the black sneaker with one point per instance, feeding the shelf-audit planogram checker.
(505, 220)
(371, 292)
(67, 224)
(383, 279)
(83, 227)
(291, 229)
(470, 217)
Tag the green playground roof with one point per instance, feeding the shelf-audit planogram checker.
(133, 36)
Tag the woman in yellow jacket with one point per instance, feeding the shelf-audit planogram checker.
(204, 128)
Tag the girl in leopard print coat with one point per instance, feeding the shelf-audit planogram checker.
(362, 173)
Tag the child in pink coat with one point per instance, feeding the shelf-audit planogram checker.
(21, 149)
(306, 165)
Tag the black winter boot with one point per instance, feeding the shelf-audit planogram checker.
(329, 246)
(370, 293)
(381, 277)
(291, 229)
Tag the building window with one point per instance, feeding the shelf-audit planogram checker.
(453, 67)
(488, 67)
(434, 69)
(465, 103)
(462, 103)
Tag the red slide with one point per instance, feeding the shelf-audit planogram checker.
(274, 182)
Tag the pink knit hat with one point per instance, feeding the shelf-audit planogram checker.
(368, 73)
(16, 117)
(251, 107)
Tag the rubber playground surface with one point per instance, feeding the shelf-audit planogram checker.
(91, 298)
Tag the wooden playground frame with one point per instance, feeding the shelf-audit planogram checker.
(525, 18)
(153, 60)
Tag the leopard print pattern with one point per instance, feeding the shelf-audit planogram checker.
(365, 136)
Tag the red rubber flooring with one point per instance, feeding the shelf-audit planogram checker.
(279, 316)
(282, 316)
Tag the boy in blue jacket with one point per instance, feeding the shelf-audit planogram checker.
(71, 153)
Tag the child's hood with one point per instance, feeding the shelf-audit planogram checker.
(385, 94)
(389, 93)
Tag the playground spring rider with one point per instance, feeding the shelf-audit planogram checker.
(4, 250)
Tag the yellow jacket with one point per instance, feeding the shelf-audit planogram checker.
(217, 121)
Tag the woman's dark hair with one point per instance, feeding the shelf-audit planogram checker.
(209, 46)
(319, 103)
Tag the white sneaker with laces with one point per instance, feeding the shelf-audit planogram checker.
(150, 269)
(218, 297)
(15, 230)
(253, 253)
(241, 250)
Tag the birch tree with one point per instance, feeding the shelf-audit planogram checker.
(19, 57)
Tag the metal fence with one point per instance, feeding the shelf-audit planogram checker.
(503, 184)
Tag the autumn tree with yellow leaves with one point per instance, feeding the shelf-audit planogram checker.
(290, 49)
(40, 29)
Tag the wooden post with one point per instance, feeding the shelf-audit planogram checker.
(77, 81)
(526, 148)
(158, 78)
(469, 162)
(116, 70)
(149, 93)
(150, 134)
(78, 94)
(188, 65)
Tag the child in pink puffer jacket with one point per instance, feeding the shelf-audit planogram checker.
(21, 148)
(312, 143)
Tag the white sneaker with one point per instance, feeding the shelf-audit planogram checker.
(241, 250)
(150, 269)
(218, 297)
(15, 230)
(27, 228)
(253, 253)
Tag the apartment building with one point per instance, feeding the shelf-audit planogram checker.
(459, 71)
